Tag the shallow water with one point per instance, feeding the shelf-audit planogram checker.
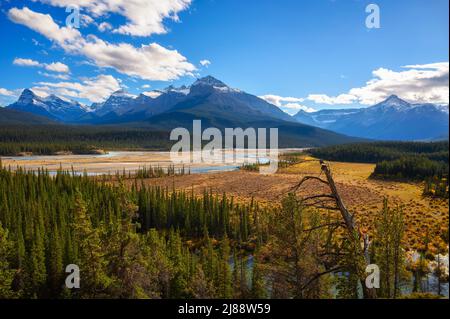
(131, 161)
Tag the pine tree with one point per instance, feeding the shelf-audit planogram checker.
(91, 261)
(388, 251)
(295, 239)
(224, 276)
(258, 290)
(200, 287)
(6, 273)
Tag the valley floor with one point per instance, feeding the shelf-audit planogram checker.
(362, 195)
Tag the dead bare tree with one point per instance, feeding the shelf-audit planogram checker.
(359, 242)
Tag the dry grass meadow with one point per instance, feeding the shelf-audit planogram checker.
(362, 195)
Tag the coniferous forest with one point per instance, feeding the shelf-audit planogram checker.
(152, 242)
(416, 161)
(50, 139)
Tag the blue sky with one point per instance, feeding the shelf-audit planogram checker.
(309, 54)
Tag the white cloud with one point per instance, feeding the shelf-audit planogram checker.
(44, 24)
(205, 63)
(86, 20)
(57, 67)
(25, 62)
(104, 26)
(41, 92)
(144, 17)
(325, 99)
(420, 83)
(6, 92)
(280, 100)
(152, 94)
(54, 66)
(288, 104)
(146, 86)
(149, 62)
(93, 89)
(55, 76)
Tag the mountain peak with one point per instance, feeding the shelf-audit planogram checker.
(122, 93)
(26, 96)
(395, 101)
(27, 92)
(209, 81)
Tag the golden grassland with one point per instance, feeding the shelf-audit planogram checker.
(363, 195)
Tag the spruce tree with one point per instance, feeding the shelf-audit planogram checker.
(6, 273)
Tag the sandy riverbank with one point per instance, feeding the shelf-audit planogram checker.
(132, 161)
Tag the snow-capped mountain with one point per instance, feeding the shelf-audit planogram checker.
(392, 119)
(211, 99)
(393, 102)
(123, 107)
(117, 103)
(206, 95)
(52, 106)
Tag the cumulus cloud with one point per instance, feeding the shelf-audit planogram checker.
(290, 105)
(86, 20)
(25, 62)
(280, 100)
(331, 100)
(143, 17)
(145, 86)
(205, 63)
(54, 66)
(104, 26)
(57, 67)
(55, 76)
(94, 89)
(420, 83)
(6, 92)
(149, 62)
(152, 94)
(44, 24)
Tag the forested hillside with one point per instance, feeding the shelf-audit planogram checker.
(47, 140)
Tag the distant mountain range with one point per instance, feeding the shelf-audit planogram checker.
(52, 107)
(221, 106)
(208, 99)
(392, 119)
(122, 107)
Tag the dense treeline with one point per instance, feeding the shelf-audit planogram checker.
(382, 151)
(412, 160)
(418, 168)
(128, 243)
(219, 217)
(152, 242)
(48, 140)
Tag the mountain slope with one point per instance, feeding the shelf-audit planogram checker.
(205, 91)
(52, 107)
(118, 103)
(15, 117)
(208, 99)
(322, 118)
(291, 134)
(392, 119)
